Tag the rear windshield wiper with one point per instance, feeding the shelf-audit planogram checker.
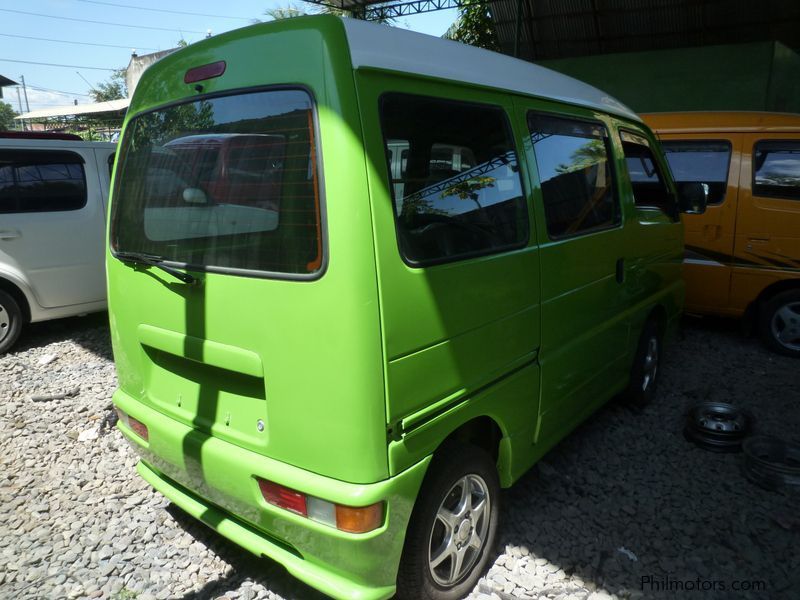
(155, 261)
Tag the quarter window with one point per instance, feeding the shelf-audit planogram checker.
(703, 162)
(454, 178)
(575, 173)
(647, 181)
(776, 169)
(41, 181)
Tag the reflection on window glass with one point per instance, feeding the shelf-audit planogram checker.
(41, 181)
(647, 182)
(703, 162)
(575, 175)
(776, 169)
(228, 182)
(455, 178)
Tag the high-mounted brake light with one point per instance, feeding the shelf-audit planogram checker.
(204, 72)
(352, 519)
(135, 425)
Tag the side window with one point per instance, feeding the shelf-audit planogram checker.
(776, 169)
(648, 183)
(572, 157)
(41, 181)
(703, 162)
(454, 178)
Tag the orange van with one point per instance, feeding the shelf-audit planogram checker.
(743, 254)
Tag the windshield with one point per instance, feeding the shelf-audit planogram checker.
(222, 183)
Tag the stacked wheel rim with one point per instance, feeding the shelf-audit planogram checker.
(717, 426)
(772, 463)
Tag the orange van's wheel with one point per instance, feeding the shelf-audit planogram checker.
(779, 323)
(10, 322)
(453, 527)
(645, 370)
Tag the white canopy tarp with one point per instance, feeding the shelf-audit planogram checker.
(70, 110)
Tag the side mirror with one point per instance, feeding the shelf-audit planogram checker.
(692, 197)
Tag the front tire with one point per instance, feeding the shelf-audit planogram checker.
(453, 528)
(10, 322)
(645, 371)
(779, 323)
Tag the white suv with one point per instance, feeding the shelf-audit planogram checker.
(53, 198)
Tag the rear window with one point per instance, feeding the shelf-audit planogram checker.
(41, 181)
(224, 183)
(776, 169)
(703, 162)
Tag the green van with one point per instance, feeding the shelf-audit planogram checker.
(458, 261)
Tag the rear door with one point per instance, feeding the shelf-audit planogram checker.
(713, 161)
(582, 251)
(52, 223)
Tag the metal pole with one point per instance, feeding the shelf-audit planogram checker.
(518, 32)
(25, 91)
(19, 102)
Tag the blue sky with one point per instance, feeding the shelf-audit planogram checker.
(52, 86)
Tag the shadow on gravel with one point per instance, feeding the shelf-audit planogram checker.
(90, 332)
(626, 504)
(632, 508)
(244, 566)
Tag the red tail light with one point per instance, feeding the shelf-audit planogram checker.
(283, 497)
(352, 519)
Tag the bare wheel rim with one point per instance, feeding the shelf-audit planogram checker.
(459, 530)
(650, 366)
(785, 325)
(5, 323)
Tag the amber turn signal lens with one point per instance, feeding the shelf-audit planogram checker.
(359, 519)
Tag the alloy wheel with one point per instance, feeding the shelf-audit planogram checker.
(459, 530)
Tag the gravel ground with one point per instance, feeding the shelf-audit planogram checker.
(623, 499)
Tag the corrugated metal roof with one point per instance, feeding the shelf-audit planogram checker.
(563, 28)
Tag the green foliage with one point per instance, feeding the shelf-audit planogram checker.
(292, 10)
(113, 89)
(7, 115)
(469, 188)
(474, 26)
(588, 155)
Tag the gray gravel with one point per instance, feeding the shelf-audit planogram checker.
(623, 498)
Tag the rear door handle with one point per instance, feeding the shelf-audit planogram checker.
(620, 270)
(9, 234)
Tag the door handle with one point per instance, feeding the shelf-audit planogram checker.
(620, 270)
(9, 234)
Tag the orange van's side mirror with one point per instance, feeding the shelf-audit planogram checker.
(692, 197)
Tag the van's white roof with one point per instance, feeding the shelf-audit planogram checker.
(383, 47)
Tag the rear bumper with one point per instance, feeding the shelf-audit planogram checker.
(214, 481)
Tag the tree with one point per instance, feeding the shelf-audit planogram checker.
(7, 115)
(474, 26)
(113, 89)
(292, 10)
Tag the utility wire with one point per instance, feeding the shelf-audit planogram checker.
(164, 10)
(27, 37)
(30, 62)
(62, 92)
(33, 14)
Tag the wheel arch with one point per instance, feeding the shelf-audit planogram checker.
(482, 431)
(784, 285)
(13, 290)
(658, 314)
